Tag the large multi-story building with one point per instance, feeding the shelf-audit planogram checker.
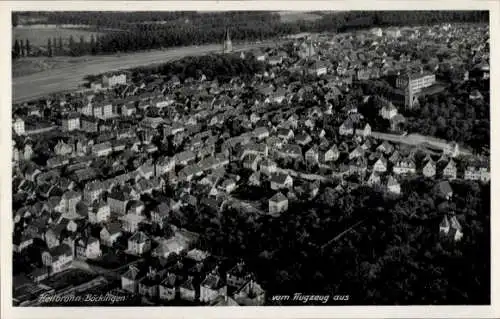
(413, 84)
(18, 126)
(115, 79)
(89, 124)
(71, 122)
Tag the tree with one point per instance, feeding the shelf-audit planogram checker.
(49, 48)
(60, 46)
(17, 49)
(82, 46)
(71, 45)
(93, 45)
(22, 51)
(28, 47)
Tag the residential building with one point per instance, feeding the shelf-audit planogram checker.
(280, 181)
(450, 170)
(380, 165)
(88, 248)
(212, 287)
(109, 234)
(393, 186)
(18, 125)
(71, 122)
(451, 228)
(139, 243)
(58, 258)
(130, 279)
(429, 169)
(109, 81)
(250, 294)
(278, 204)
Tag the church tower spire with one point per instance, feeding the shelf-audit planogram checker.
(228, 45)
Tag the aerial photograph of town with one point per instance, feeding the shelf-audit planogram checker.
(250, 158)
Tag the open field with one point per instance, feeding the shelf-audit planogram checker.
(27, 66)
(29, 87)
(293, 16)
(40, 36)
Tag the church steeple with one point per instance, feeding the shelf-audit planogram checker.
(228, 46)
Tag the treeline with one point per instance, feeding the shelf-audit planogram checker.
(155, 30)
(120, 19)
(220, 67)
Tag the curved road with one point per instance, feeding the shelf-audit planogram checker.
(29, 87)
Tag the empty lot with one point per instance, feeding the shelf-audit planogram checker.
(29, 87)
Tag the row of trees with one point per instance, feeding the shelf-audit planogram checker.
(21, 48)
(152, 30)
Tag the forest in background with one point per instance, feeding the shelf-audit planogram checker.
(135, 31)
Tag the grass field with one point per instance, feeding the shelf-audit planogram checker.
(40, 36)
(293, 16)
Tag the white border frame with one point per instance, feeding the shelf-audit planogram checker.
(7, 311)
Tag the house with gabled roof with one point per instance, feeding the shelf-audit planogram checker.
(451, 228)
(212, 287)
(404, 166)
(57, 258)
(117, 202)
(332, 154)
(278, 204)
(280, 181)
(110, 233)
(393, 186)
(380, 165)
(139, 243)
(187, 289)
(385, 147)
(168, 288)
(148, 286)
(450, 170)
(130, 279)
(160, 213)
(444, 190)
(285, 134)
(388, 111)
(312, 155)
(429, 169)
(98, 212)
(373, 179)
(130, 222)
(357, 152)
(87, 247)
(250, 294)
(346, 128)
(251, 161)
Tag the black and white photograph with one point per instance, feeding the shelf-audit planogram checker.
(254, 157)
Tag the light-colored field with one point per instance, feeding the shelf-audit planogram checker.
(31, 65)
(293, 16)
(40, 36)
(25, 88)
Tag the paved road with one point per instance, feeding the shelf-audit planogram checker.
(39, 84)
